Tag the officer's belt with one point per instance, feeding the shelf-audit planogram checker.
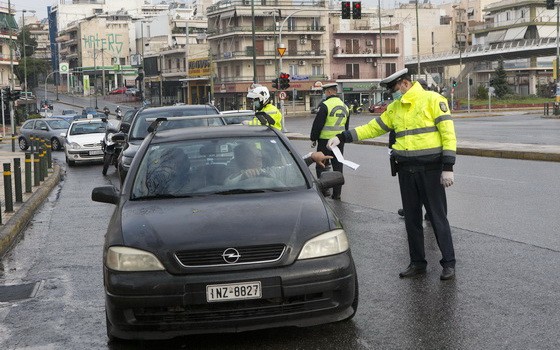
(420, 168)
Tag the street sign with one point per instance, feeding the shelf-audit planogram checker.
(282, 95)
(63, 67)
(281, 51)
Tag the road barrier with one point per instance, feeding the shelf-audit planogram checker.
(17, 180)
(8, 196)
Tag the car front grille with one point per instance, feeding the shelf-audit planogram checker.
(231, 311)
(215, 257)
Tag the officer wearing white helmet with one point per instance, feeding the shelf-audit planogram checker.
(260, 97)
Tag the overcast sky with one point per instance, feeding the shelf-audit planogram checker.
(41, 5)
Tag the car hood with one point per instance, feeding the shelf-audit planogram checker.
(86, 138)
(168, 225)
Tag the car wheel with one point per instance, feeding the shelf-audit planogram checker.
(70, 162)
(23, 145)
(55, 144)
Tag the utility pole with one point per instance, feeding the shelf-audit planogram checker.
(12, 83)
(24, 58)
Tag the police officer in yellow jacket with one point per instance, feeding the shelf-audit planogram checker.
(331, 119)
(425, 153)
(260, 97)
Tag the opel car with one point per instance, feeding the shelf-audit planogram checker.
(223, 230)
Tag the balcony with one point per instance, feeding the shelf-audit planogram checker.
(267, 30)
(268, 54)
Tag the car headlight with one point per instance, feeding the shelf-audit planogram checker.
(330, 243)
(130, 259)
(74, 145)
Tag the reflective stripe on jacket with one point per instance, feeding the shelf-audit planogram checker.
(272, 111)
(337, 114)
(422, 122)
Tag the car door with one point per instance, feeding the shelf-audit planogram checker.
(41, 129)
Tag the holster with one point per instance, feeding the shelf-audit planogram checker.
(394, 166)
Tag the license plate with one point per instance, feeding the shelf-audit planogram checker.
(234, 291)
(95, 153)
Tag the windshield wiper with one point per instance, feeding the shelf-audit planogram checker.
(239, 191)
(163, 196)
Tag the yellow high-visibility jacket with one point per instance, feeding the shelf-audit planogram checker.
(337, 115)
(272, 111)
(424, 129)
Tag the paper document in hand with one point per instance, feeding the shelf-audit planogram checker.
(341, 159)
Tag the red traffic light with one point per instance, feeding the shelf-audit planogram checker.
(357, 5)
(284, 76)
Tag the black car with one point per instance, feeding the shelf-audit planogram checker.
(138, 128)
(223, 230)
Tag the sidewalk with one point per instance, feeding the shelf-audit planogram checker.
(14, 222)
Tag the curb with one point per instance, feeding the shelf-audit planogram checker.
(491, 151)
(10, 231)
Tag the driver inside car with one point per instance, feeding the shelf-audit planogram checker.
(249, 162)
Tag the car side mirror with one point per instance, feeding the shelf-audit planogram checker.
(330, 179)
(105, 194)
(125, 127)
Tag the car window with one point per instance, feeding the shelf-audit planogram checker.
(225, 166)
(28, 125)
(58, 124)
(87, 128)
(139, 127)
(39, 125)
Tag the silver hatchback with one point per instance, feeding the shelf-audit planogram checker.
(45, 128)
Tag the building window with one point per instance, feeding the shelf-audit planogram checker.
(390, 68)
(316, 70)
(315, 23)
(353, 70)
(293, 69)
(291, 24)
(352, 46)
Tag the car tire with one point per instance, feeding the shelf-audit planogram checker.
(70, 162)
(55, 144)
(23, 144)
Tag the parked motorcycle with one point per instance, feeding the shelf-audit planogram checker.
(112, 145)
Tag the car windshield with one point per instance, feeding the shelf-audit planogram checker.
(224, 166)
(88, 128)
(58, 124)
(139, 127)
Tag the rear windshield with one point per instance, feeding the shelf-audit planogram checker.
(88, 128)
(139, 127)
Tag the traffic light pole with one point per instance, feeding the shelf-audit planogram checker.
(12, 83)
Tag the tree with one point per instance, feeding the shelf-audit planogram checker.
(499, 81)
(36, 68)
(30, 42)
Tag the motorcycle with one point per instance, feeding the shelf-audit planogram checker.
(112, 145)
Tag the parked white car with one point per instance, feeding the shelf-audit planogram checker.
(83, 141)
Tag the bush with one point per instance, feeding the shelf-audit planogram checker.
(481, 92)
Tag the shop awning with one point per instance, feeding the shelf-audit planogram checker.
(494, 37)
(515, 33)
(228, 14)
(547, 31)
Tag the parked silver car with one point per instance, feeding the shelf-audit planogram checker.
(46, 128)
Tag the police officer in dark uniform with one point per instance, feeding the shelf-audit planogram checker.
(331, 119)
(425, 149)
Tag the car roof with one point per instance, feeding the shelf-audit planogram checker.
(84, 121)
(177, 107)
(229, 131)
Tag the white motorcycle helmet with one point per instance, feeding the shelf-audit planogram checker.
(260, 96)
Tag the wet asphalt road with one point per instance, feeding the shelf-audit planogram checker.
(505, 224)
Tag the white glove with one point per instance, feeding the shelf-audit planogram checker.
(446, 178)
(335, 141)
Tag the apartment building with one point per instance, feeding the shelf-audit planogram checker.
(521, 22)
(8, 35)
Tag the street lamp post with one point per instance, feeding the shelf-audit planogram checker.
(24, 58)
(47, 79)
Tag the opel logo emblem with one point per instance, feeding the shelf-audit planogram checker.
(231, 255)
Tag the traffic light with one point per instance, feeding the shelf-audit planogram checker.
(275, 83)
(357, 10)
(346, 10)
(550, 4)
(454, 83)
(470, 81)
(6, 93)
(284, 81)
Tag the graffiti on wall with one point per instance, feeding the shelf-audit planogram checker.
(111, 42)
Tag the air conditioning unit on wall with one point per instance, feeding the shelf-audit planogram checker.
(369, 60)
(268, 62)
(302, 63)
(369, 42)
